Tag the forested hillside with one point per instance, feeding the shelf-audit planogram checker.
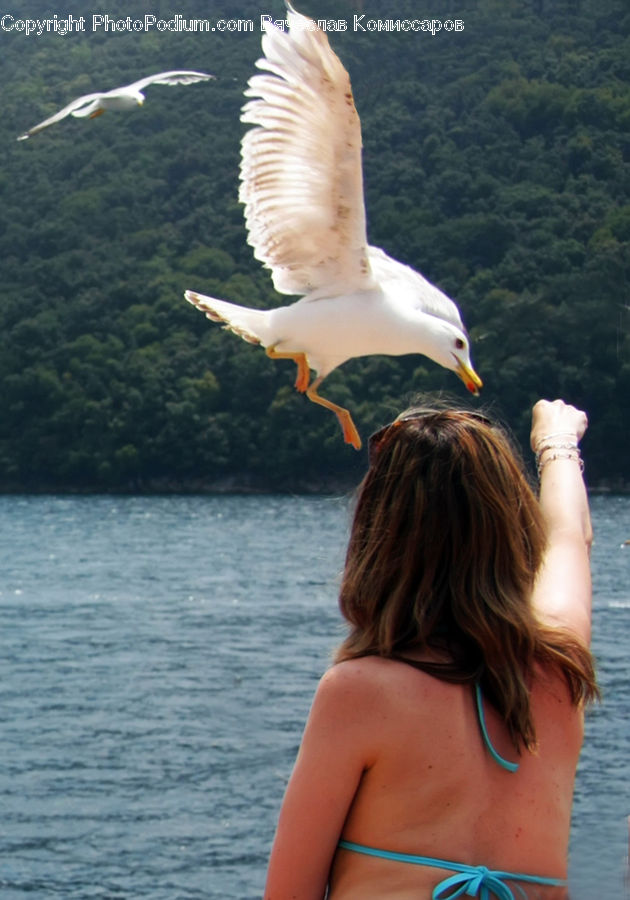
(496, 161)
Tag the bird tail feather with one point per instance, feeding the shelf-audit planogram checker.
(250, 324)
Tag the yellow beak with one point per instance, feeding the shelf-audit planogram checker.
(470, 378)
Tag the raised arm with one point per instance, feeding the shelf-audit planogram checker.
(562, 594)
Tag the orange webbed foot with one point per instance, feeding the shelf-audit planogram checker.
(350, 433)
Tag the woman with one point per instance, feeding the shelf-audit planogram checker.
(439, 756)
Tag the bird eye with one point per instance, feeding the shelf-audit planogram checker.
(460, 344)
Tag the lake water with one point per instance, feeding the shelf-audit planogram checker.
(158, 660)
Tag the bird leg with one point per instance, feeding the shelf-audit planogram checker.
(97, 112)
(350, 433)
(303, 371)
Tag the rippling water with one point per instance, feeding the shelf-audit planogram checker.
(158, 660)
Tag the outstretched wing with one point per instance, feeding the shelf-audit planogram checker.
(66, 111)
(301, 174)
(178, 76)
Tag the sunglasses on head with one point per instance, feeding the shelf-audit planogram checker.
(377, 441)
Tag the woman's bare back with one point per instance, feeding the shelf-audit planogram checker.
(432, 787)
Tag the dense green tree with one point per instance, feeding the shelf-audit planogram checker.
(497, 162)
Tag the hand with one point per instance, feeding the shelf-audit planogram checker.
(556, 418)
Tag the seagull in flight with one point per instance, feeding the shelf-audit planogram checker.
(127, 97)
(301, 181)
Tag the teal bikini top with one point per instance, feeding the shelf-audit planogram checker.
(473, 881)
(504, 763)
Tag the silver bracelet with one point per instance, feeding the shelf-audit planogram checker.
(556, 434)
(576, 458)
(555, 446)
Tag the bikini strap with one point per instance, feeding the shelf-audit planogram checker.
(506, 764)
(473, 881)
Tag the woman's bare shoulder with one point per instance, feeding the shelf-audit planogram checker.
(352, 696)
(363, 673)
(370, 678)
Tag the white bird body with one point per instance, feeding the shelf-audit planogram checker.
(302, 186)
(380, 320)
(363, 324)
(114, 100)
(123, 98)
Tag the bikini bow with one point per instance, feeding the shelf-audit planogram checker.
(478, 881)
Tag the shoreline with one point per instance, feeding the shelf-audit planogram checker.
(232, 485)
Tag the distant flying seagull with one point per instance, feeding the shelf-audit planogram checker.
(127, 97)
(302, 186)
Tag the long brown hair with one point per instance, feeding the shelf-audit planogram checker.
(445, 545)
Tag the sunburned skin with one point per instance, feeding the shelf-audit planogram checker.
(521, 819)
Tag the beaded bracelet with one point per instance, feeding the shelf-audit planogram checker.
(554, 446)
(576, 458)
(556, 434)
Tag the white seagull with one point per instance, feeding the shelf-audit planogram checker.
(129, 96)
(302, 186)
